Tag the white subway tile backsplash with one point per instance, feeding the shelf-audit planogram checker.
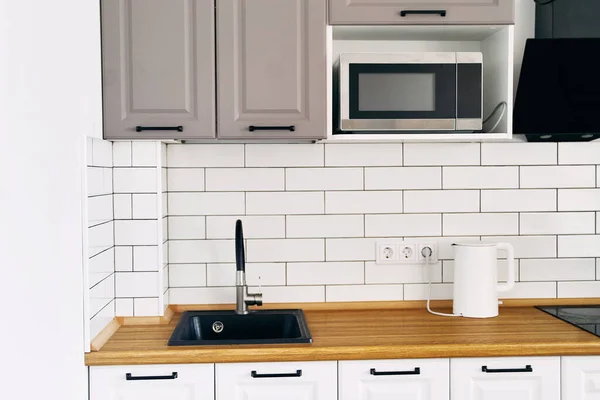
(201, 251)
(255, 227)
(324, 179)
(205, 155)
(285, 250)
(257, 274)
(187, 275)
(136, 233)
(350, 249)
(100, 266)
(187, 228)
(481, 177)
(363, 155)
(206, 203)
(372, 202)
(281, 203)
(598, 269)
(579, 246)
(364, 293)
(518, 200)
(578, 199)
(598, 176)
(99, 181)
(519, 154)
(185, 179)
(403, 225)
(285, 155)
(326, 273)
(315, 226)
(123, 258)
(144, 154)
(102, 294)
(99, 321)
(480, 224)
(145, 258)
(292, 294)
(557, 177)
(89, 151)
(402, 273)
(244, 179)
(531, 290)
(441, 154)
(122, 154)
(382, 178)
(527, 246)
(579, 153)
(557, 223)
(135, 180)
(145, 206)
(137, 284)
(437, 201)
(420, 291)
(578, 289)
(145, 307)
(124, 307)
(201, 295)
(123, 206)
(100, 209)
(100, 238)
(102, 153)
(558, 269)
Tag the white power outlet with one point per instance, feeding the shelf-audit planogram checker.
(401, 252)
(387, 253)
(434, 254)
(407, 252)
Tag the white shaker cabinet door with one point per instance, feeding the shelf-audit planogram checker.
(153, 382)
(395, 379)
(506, 378)
(277, 381)
(580, 378)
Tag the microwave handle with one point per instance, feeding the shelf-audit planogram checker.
(441, 13)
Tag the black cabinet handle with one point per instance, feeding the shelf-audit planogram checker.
(290, 128)
(498, 371)
(416, 371)
(296, 374)
(159, 128)
(129, 377)
(441, 13)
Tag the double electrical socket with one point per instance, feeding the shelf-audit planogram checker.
(401, 252)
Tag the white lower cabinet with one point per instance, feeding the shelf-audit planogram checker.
(277, 381)
(510, 378)
(581, 378)
(394, 380)
(153, 382)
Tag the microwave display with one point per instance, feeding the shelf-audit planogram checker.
(411, 92)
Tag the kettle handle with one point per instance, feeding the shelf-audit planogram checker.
(510, 255)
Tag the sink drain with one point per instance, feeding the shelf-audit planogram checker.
(217, 327)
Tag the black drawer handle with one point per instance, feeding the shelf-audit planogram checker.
(129, 377)
(296, 374)
(441, 13)
(498, 371)
(416, 371)
(159, 128)
(290, 128)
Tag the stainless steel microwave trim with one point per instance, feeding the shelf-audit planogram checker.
(466, 124)
(398, 124)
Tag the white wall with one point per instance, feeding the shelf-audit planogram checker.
(45, 90)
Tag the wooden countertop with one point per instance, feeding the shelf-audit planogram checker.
(367, 334)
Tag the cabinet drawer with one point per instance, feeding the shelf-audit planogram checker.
(383, 379)
(514, 378)
(152, 382)
(288, 380)
(421, 12)
(580, 378)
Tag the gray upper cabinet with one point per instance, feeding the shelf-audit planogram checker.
(272, 69)
(421, 12)
(158, 69)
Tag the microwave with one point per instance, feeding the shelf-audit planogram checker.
(421, 92)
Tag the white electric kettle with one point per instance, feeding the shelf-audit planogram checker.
(476, 284)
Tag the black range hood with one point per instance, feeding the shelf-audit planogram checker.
(558, 97)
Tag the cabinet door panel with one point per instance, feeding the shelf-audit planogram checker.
(580, 378)
(158, 68)
(192, 382)
(431, 382)
(272, 68)
(469, 382)
(366, 12)
(317, 381)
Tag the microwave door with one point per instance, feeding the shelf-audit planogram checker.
(400, 97)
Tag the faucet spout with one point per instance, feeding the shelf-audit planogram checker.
(243, 298)
(240, 257)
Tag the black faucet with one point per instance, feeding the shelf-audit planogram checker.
(243, 298)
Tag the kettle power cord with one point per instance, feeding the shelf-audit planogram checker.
(427, 252)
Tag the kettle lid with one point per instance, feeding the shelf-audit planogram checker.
(475, 244)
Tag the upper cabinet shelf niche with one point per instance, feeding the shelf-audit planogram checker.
(421, 12)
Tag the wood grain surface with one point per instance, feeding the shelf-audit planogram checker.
(367, 334)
